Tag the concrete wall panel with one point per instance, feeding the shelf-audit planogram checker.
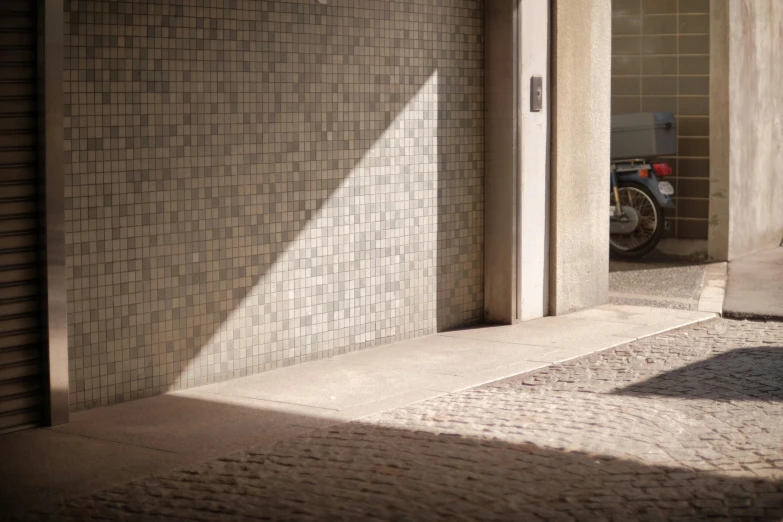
(580, 154)
(746, 212)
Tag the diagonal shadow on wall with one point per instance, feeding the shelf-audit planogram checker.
(264, 184)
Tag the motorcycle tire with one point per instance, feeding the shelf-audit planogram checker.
(645, 248)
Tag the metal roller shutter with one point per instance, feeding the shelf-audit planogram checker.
(21, 363)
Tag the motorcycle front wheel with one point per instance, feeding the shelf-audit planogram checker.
(649, 230)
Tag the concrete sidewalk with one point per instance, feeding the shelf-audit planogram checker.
(119, 443)
(755, 286)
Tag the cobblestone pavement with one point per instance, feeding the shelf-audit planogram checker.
(683, 426)
(657, 280)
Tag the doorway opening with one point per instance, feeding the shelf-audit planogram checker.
(661, 64)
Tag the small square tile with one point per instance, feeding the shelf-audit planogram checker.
(267, 184)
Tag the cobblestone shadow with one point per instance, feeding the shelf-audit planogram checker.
(743, 374)
(370, 472)
(595, 438)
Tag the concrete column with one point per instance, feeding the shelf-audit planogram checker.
(746, 130)
(718, 225)
(581, 89)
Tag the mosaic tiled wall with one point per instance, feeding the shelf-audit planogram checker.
(254, 184)
(661, 62)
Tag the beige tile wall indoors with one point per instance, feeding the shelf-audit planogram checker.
(252, 184)
(660, 62)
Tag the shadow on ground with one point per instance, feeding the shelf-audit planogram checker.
(360, 472)
(744, 374)
(654, 259)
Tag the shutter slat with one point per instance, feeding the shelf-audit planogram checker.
(21, 361)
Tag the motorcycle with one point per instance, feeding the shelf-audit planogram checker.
(638, 199)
